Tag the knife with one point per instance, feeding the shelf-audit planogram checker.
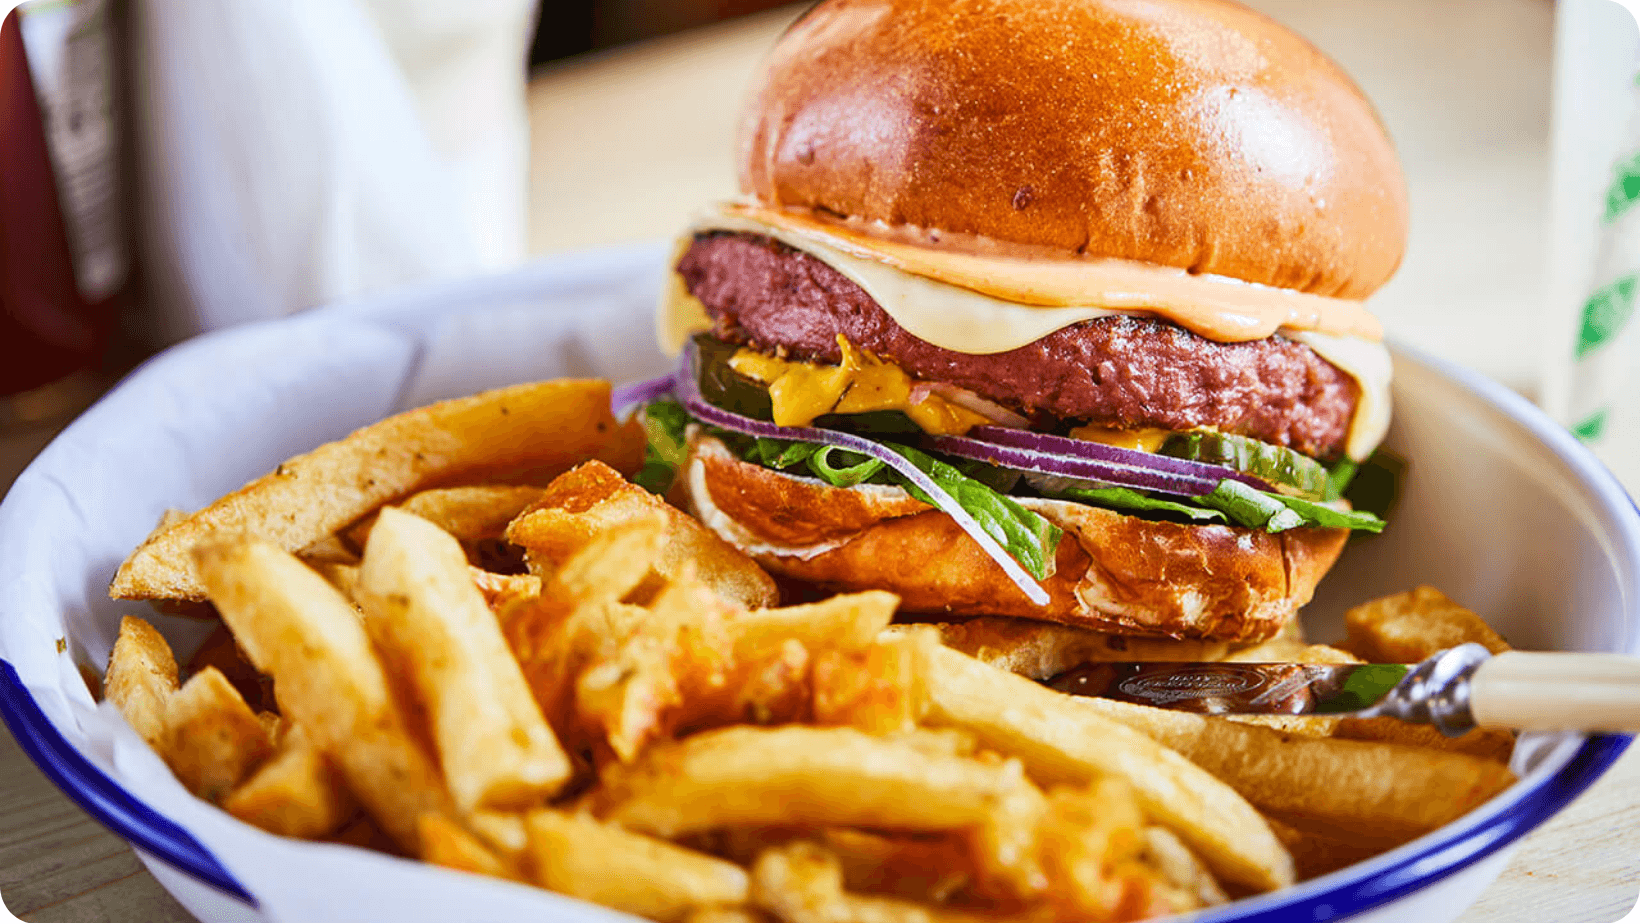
(1459, 689)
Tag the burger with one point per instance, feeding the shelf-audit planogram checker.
(1048, 309)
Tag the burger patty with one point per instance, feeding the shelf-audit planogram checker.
(1119, 371)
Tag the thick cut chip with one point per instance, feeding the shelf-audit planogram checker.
(1409, 627)
(594, 497)
(1368, 786)
(420, 603)
(447, 844)
(501, 590)
(583, 857)
(467, 512)
(1319, 853)
(1062, 742)
(846, 621)
(750, 776)
(877, 689)
(803, 881)
(219, 650)
(297, 793)
(296, 626)
(579, 617)
(212, 739)
(141, 677)
(1490, 743)
(1184, 872)
(1090, 844)
(503, 831)
(525, 433)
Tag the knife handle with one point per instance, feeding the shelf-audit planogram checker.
(1557, 691)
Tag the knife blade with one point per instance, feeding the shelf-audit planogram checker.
(1216, 688)
(1456, 690)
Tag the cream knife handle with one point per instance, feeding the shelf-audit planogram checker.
(1544, 691)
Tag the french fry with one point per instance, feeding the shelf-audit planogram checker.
(722, 914)
(344, 577)
(500, 590)
(467, 512)
(1060, 741)
(846, 621)
(803, 881)
(1040, 650)
(1318, 853)
(1369, 785)
(273, 724)
(212, 739)
(1090, 844)
(615, 565)
(330, 550)
(1489, 743)
(504, 831)
(580, 856)
(1184, 871)
(525, 433)
(628, 694)
(219, 650)
(1408, 627)
(363, 831)
(296, 793)
(1308, 726)
(295, 626)
(929, 869)
(1282, 649)
(447, 844)
(750, 776)
(421, 604)
(141, 677)
(878, 689)
(594, 497)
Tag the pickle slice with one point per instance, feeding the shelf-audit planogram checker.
(1290, 472)
(724, 387)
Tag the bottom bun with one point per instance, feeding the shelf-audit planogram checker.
(1113, 573)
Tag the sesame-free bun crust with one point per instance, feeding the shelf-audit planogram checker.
(1114, 573)
(1187, 133)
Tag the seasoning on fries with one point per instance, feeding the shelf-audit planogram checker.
(629, 718)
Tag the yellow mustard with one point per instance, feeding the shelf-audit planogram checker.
(862, 383)
(1148, 439)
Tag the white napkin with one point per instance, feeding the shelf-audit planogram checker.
(296, 152)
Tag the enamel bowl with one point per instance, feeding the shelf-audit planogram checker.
(1501, 509)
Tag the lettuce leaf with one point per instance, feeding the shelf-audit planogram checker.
(1130, 499)
(1250, 507)
(1027, 536)
(981, 490)
(664, 421)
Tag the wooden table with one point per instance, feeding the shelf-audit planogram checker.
(627, 143)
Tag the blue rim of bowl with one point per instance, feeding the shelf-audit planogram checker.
(101, 797)
(1467, 841)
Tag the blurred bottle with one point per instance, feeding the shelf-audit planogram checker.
(1592, 378)
(65, 268)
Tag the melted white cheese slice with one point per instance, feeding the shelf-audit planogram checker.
(966, 321)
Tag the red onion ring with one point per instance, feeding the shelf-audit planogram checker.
(633, 393)
(1065, 447)
(1030, 460)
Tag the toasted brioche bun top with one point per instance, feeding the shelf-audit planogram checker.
(1195, 134)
